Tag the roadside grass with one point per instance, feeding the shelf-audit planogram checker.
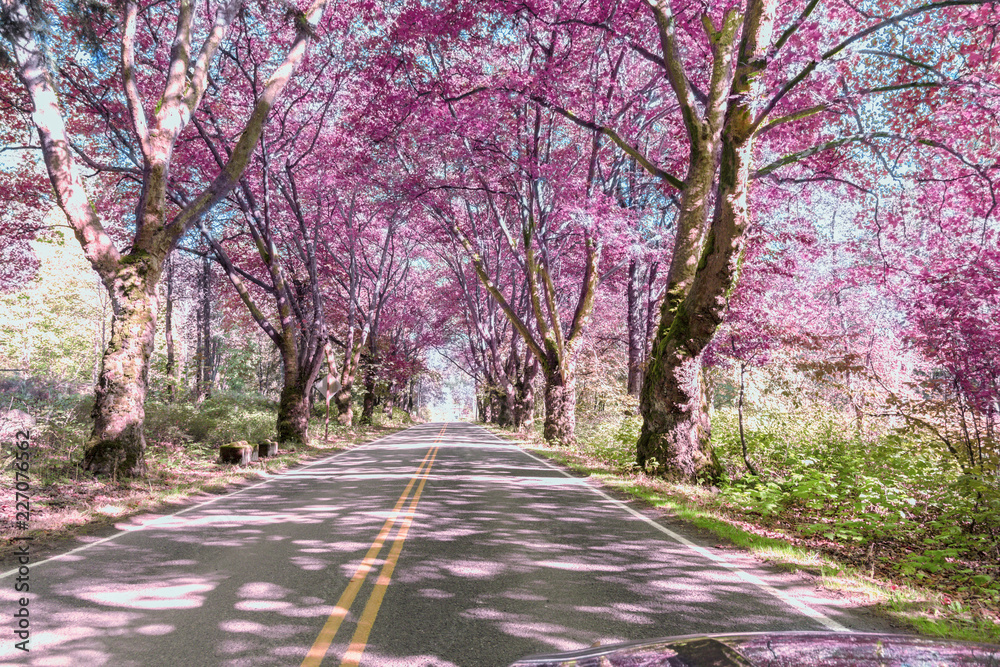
(181, 456)
(920, 608)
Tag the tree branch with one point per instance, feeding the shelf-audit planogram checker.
(630, 150)
(138, 114)
(247, 142)
(892, 20)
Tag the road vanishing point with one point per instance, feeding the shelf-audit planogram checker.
(438, 545)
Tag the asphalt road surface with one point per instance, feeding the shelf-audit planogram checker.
(439, 545)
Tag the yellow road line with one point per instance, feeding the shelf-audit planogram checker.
(367, 620)
(332, 625)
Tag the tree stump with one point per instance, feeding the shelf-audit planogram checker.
(12, 421)
(240, 453)
(267, 448)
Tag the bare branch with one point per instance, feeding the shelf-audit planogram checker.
(632, 151)
(199, 75)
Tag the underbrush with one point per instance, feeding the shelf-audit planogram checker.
(889, 504)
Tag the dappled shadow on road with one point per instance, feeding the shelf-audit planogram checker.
(534, 562)
(505, 557)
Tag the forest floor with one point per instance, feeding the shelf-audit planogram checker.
(932, 606)
(67, 502)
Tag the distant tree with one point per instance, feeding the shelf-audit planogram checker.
(270, 246)
(493, 352)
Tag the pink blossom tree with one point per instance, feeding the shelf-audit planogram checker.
(748, 90)
(156, 87)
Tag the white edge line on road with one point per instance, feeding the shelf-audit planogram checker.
(752, 579)
(270, 478)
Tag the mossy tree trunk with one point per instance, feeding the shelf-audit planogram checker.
(353, 347)
(117, 445)
(355, 340)
(508, 385)
(676, 429)
(345, 410)
(675, 439)
(524, 403)
(505, 407)
(369, 400)
(370, 363)
(294, 408)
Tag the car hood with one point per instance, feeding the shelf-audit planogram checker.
(777, 649)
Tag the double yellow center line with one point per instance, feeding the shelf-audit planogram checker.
(367, 619)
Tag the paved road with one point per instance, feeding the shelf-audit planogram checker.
(439, 545)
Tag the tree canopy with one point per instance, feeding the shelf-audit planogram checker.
(555, 196)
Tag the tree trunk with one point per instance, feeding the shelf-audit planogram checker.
(345, 411)
(368, 406)
(117, 444)
(505, 408)
(205, 336)
(199, 354)
(675, 430)
(390, 400)
(675, 415)
(215, 363)
(342, 398)
(651, 309)
(675, 440)
(739, 413)
(412, 405)
(295, 405)
(560, 408)
(636, 329)
(524, 403)
(483, 408)
(168, 325)
(293, 412)
(506, 391)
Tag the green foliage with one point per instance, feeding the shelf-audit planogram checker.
(890, 503)
(224, 417)
(319, 405)
(884, 501)
(49, 327)
(900, 499)
(608, 429)
(613, 442)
